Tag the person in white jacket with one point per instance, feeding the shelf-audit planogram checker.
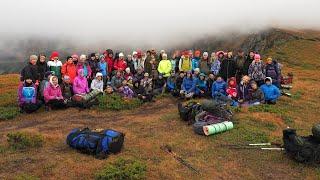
(97, 83)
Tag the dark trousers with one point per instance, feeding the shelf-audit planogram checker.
(56, 104)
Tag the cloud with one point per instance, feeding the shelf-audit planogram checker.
(156, 23)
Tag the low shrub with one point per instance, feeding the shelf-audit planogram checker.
(123, 169)
(7, 113)
(116, 102)
(26, 177)
(24, 140)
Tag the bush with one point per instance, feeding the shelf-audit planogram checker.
(26, 177)
(123, 169)
(116, 102)
(24, 140)
(7, 113)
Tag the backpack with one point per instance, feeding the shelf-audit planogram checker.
(98, 143)
(189, 111)
(302, 149)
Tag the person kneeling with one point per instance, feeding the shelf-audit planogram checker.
(271, 92)
(219, 90)
(27, 94)
(53, 95)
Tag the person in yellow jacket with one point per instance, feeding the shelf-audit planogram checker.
(164, 66)
(185, 64)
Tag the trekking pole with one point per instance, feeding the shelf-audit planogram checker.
(168, 149)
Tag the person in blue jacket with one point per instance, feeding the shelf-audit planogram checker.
(103, 66)
(270, 91)
(188, 86)
(196, 60)
(219, 88)
(202, 89)
(171, 82)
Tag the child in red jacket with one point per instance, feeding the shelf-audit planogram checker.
(232, 91)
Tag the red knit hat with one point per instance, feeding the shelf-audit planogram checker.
(54, 54)
(197, 52)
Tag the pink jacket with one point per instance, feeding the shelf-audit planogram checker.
(80, 84)
(52, 92)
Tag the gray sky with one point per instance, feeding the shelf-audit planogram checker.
(156, 21)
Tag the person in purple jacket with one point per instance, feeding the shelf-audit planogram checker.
(27, 96)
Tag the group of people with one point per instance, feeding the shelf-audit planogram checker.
(238, 80)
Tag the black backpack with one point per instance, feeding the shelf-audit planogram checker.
(98, 143)
(302, 149)
(189, 111)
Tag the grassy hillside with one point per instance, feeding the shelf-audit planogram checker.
(155, 124)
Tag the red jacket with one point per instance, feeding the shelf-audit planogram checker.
(110, 64)
(232, 88)
(120, 64)
(69, 70)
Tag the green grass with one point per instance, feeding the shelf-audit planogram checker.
(24, 140)
(116, 102)
(248, 130)
(7, 113)
(26, 177)
(123, 169)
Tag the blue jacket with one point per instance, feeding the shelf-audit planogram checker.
(219, 87)
(271, 92)
(171, 83)
(103, 68)
(201, 85)
(189, 84)
(195, 63)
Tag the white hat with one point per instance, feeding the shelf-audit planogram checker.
(134, 53)
(99, 74)
(196, 70)
(127, 70)
(121, 54)
(164, 55)
(205, 54)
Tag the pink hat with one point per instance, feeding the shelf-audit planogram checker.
(257, 56)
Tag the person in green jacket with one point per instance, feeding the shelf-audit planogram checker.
(165, 66)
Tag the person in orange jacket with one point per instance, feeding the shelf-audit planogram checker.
(69, 69)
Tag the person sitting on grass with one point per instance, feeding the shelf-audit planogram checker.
(140, 93)
(219, 90)
(243, 91)
(146, 83)
(80, 84)
(188, 86)
(179, 81)
(256, 96)
(159, 86)
(27, 96)
(201, 90)
(210, 82)
(97, 83)
(53, 95)
(125, 91)
(66, 87)
(116, 81)
(43, 84)
(232, 91)
(171, 83)
(271, 92)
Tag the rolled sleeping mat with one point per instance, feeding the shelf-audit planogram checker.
(217, 128)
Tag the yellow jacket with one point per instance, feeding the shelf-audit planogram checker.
(165, 68)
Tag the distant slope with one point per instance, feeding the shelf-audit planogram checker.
(13, 55)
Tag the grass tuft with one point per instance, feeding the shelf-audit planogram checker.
(116, 102)
(24, 140)
(123, 169)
